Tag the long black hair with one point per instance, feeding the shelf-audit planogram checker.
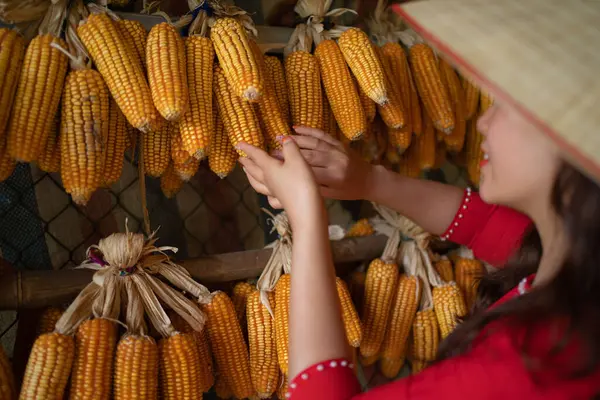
(570, 301)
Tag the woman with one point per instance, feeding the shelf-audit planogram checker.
(536, 332)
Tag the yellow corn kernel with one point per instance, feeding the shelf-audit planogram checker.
(380, 287)
(282, 318)
(37, 98)
(95, 343)
(399, 139)
(123, 74)
(136, 368)
(468, 273)
(456, 139)
(48, 320)
(237, 59)
(393, 112)
(228, 345)
(222, 156)
(449, 306)
(364, 63)
(368, 105)
(397, 70)
(425, 336)
(49, 159)
(264, 369)
(362, 227)
(179, 367)
(167, 72)
(274, 69)
(471, 94)
(352, 323)
(135, 35)
(444, 269)
(341, 92)
(83, 133)
(239, 296)
(426, 145)
(473, 151)
(116, 144)
(390, 368)
(330, 125)
(197, 124)
(304, 89)
(184, 165)
(156, 146)
(8, 388)
(239, 117)
(417, 366)
(402, 314)
(426, 74)
(170, 182)
(48, 368)
(12, 48)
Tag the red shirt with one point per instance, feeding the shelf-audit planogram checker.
(493, 368)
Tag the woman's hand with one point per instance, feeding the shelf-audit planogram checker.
(339, 171)
(289, 184)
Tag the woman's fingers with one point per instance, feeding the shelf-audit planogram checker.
(274, 202)
(259, 156)
(311, 143)
(317, 134)
(251, 168)
(257, 185)
(316, 158)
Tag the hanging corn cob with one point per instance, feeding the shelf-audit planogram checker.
(136, 368)
(426, 74)
(48, 319)
(239, 117)
(156, 146)
(473, 151)
(304, 89)
(239, 63)
(229, 347)
(179, 353)
(444, 268)
(368, 361)
(222, 157)
(471, 94)
(352, 323)
(120, 70)
(184, 165)
(369, 106)
(393, 111)
(274, 70)
(49, 158)
(340, 90)
(400, 78)
(198, 124)
(425, 145)
(222, 389)
(409, 163)
(456, 139)
(264, 368)
(272, 121)
(170, 182)
(12, 48)
(399, 139)
(390, 367)
(135, 35)
(364, 63)
(239, 297)
(417, 366)
(282, 316)
(167, 72)
(116, 144)
(33, 109)
(468, 272)
(330, 125)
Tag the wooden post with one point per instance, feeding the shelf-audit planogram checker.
(34, 289)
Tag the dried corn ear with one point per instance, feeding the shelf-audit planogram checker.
(48, 368)
(362, 227)
(393, 112)
(156, 146)
(264, 369)
(434, 95)
(282, 318)
(135, 35)
(364, 63)
(179, 368)
(170, 182)
(330, 125)
(444, 269)
(228, 345)
(417, 366)
(368, 361)
(184, 164)
(380, 288)
(304, 89)
(95, 343)
(340, 90)
(48, 320)
(119, 68)
(136, 368)
(473, 151)
(425, 335)
(83, 133)
(237, 59)
(416, 115)
(222, 156)
(352, 323)
(471, 94)
(274, 70)
(467, 273)
(426, 145)
(456, 139)
(404, 308)
(49, 159)
(390, 368)
(409, 163)
(12, 48)
(399, 139)
(222, 389)
(400, 78)
(239, 117)
(369, 106)
(116, 144)
(239, 297)
(37, 98)
(449, 306)
(7, 163)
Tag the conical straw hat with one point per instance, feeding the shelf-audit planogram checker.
(540, 56)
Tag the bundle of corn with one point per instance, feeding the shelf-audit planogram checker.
(468, 273)
(222, 157)
(120, 68)
(43, 66)
(198, 123)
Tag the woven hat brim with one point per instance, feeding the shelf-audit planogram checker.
(538, 56)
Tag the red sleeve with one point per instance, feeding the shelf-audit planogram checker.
(329, 380)
(493, 232)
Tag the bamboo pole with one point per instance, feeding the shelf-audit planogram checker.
(33, 289)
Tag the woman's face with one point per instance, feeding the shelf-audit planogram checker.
(520, 162)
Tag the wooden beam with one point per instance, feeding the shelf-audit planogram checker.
(33, 289)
